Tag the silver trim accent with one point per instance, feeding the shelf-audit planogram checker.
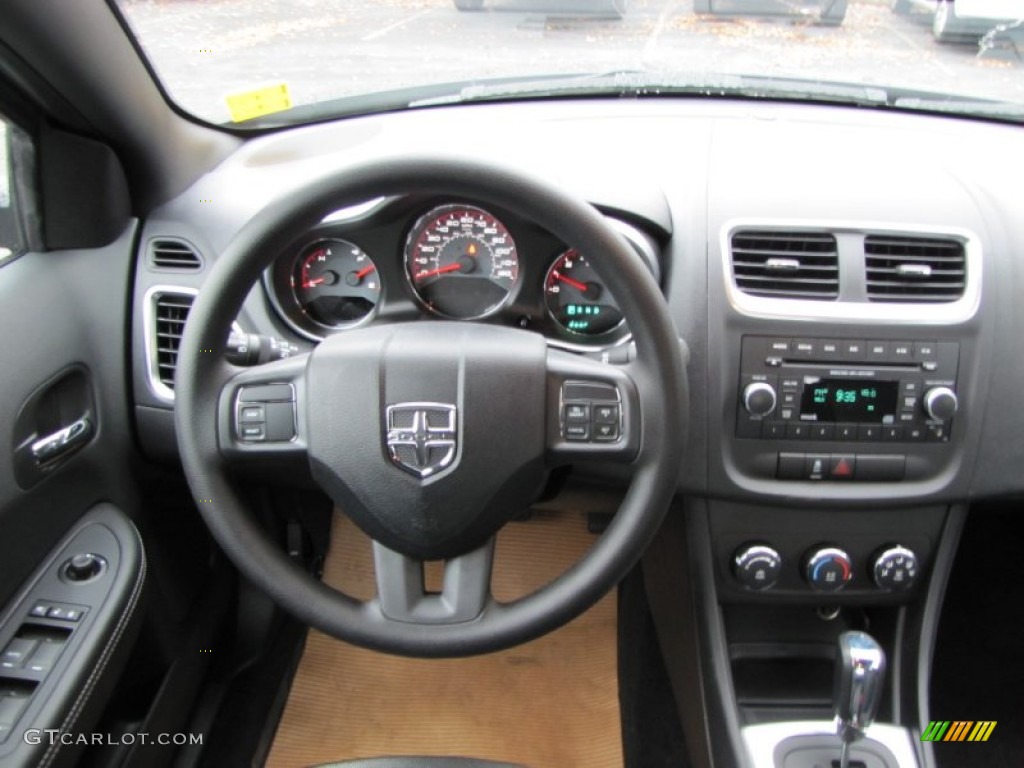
(422, 436)
(852, 303)
(762, 740)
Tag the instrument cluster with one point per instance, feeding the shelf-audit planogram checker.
(414, 259)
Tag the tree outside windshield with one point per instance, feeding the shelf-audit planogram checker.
(274, 54)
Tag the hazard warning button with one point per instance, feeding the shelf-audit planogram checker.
(841, 466)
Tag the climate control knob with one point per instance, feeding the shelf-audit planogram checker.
(756, 566)
(828, 569)
(895, 568)
(940, 403)
(759, 398)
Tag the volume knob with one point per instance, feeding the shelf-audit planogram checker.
(940, 403)
(759, 398)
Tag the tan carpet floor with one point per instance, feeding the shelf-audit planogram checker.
(552, 703)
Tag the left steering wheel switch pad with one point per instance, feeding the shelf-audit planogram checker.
(265, 413)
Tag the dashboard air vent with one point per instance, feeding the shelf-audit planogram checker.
(173, 254)
(920, 269)
(171, 311)
(796, 265)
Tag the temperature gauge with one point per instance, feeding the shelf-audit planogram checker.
(335, 283)
(576, 298)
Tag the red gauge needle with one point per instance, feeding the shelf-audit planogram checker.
(438, 271)
(574, 283)
(364, 272)
(314, 283)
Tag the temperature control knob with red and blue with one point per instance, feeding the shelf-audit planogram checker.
(828, 569)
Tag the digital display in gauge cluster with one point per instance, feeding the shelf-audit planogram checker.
(577, 299)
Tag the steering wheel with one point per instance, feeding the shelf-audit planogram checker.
(399, 424)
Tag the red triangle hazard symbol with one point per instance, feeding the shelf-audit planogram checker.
(842, 468)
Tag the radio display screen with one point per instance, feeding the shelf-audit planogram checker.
(851, 400)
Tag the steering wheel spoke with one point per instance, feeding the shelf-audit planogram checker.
(464, 596)
(260, 413)
(593, 410)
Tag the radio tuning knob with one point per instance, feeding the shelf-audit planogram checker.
(940, 403)
(759, 398)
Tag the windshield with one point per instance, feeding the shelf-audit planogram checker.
(260, 62)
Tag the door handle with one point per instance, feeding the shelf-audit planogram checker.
(62, 441)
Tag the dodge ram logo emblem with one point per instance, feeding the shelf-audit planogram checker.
(421, 437)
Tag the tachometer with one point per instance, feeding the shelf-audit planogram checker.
(335, 283)
(577, 299)
(461, 262)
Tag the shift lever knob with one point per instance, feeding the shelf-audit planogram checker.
(860, 672)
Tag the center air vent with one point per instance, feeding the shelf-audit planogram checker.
(920, 269)
(170, 312)
(798, 265)
(173, 254)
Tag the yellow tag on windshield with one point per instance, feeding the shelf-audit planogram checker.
(263, 101)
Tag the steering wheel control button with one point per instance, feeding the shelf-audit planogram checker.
(265, 413)
(252, 413)
(895, 568)
(577, 432)
(576, 413)
(83, 567)
(828, 569)
(591, 412)
(757, 566)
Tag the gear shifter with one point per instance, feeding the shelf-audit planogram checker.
(860, 672)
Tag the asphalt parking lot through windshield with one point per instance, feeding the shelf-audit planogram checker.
(323, 49)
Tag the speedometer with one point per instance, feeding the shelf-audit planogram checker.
(461, 262)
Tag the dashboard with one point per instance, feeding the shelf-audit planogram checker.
(694, 185)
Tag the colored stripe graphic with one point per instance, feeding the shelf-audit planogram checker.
(935, 730)
(958, 730)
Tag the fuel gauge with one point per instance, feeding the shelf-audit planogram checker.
(335, 283)
(577, 299)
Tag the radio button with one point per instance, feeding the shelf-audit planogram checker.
(892, 433)
(805, 348)
(846, 432)
(853, 350)
(910, 388)
(878, 351)
(773, 430)
(938, 433)
(909, 403)
(831, 349)
(869, 432)
(926, 351)
(822, 431)
(906, 417)
(780, 346)
(915, 433)
(798, 430)
(902, 351)
(790, 384)
(788, 398)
